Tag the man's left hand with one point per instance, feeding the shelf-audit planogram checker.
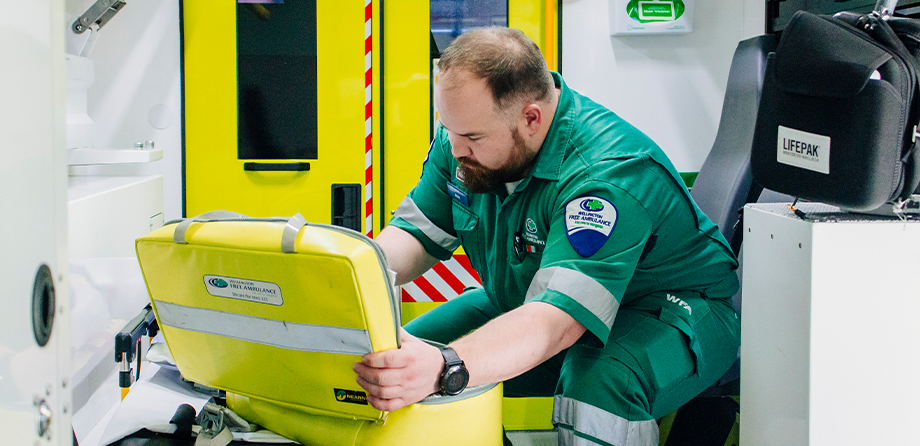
(399, 377)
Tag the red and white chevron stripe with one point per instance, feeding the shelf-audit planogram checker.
(368, 126)
(443, 282)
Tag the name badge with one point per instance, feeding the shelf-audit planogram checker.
(458, 194)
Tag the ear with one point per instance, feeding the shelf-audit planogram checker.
(532, 118)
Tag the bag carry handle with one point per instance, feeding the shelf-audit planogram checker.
(884, 33)
(288, 235)
(884, 8)
(875, 24)
(179, 234)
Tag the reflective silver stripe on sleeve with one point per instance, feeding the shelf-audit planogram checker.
(410, 212)
(580, 287)
(304, 337)
(578, 421)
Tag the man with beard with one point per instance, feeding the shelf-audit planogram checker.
(604, 285)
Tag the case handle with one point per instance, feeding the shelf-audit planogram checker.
(179, 235)
(291, 229)
(288, 235)
(276, 167)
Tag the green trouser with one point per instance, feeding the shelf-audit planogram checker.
(663, 350)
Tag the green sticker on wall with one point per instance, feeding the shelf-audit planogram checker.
(647, 11)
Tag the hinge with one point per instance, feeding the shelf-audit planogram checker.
(98, 14)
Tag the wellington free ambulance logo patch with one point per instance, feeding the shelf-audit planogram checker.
(588, 223)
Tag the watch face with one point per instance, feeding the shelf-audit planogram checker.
(455, 380)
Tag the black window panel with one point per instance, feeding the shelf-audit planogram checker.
(276, 79)
(450, 18)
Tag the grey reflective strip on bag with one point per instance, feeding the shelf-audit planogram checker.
(304, 337)
(583, 424)
(410, 212)
(580, 287)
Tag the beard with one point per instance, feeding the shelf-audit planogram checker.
(480, 179)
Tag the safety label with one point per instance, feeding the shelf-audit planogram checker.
(803, 149)
(243, 289)
(350, 396)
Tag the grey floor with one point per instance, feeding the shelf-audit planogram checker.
(533, 438)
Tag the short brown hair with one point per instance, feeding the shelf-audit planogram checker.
(509, 61)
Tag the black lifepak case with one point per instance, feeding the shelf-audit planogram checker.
(839, 111)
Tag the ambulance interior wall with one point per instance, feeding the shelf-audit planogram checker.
(136, 93)
(671, 87)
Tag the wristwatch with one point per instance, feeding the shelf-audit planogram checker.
(454, 376)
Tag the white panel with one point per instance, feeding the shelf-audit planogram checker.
(79, 125)
(137, 78)
(33, 185)
(670, 87)
(107, 214)
(774, 375)
(828, 329)
(865, 323)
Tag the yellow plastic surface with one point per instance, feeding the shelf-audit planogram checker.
(465, 422)
(333, 279)
(215, 178)
(412, 310)
(319, 285)
(538, 19)
(407, 97)
(527, 414)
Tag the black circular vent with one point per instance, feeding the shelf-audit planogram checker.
(43, 305)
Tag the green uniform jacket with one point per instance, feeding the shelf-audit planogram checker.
(602, 218)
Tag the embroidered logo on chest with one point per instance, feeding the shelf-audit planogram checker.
(530, 226)
(531, 237)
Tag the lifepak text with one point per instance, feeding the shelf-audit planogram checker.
(800, 147)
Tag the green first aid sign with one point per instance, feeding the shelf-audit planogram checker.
(646, 11)
(656, 10)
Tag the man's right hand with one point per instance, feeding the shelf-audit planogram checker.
(399, 377)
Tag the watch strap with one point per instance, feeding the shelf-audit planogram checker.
(454, 376)
(450, 357)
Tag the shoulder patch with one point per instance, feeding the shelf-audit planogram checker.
(588, 223)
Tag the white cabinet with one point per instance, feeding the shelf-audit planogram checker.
(829, 330)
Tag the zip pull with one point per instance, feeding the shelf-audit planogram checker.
(897, 208)
(794, 210)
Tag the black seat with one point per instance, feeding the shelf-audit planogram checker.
(725, 184)
(722, 188)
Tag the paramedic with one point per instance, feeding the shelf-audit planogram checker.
(603, 283)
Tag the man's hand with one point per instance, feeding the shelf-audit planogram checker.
(397, 378)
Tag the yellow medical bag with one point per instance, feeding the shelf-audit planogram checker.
(276, 311)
